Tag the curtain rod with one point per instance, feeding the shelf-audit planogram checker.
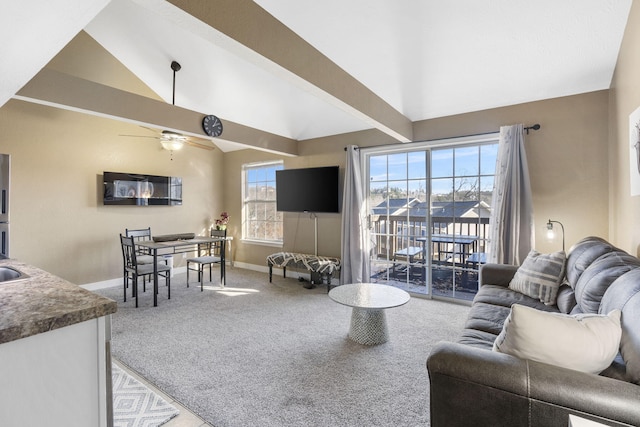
(526, 128)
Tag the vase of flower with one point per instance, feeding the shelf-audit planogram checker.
(221, 223)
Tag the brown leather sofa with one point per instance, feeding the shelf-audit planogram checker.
(471, 385)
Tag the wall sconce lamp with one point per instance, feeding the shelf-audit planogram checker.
(551, 233)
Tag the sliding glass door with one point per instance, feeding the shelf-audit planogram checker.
(429, 212)
(397, 194)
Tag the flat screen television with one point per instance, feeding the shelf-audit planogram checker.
(142, 190)
(308, 190)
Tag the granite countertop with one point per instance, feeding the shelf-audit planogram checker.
(44, 302)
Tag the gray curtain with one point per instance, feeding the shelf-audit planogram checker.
(355, 248)
(511, 228)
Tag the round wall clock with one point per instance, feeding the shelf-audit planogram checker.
(212, 125)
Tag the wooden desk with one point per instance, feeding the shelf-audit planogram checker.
(177, 247)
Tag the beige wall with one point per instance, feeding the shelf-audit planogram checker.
(625, 98)
(567, 161)
(567, 158)
(299, 235)
(58, 221)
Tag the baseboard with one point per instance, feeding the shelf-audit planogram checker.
(178, 270)
(111, 283)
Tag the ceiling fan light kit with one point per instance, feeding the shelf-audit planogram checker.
(171, 145)
(172, 140)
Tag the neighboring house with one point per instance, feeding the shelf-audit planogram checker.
(457, 217)
(393, 206)
(447, 217)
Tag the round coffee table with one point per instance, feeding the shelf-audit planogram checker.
(369, 300)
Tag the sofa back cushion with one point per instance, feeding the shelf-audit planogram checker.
(583, 254)
(624, 295)
(566, 299)
(597, 277)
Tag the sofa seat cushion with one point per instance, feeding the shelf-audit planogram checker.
(476, 338)
(505, 297)
(487, 317)
(491, 306)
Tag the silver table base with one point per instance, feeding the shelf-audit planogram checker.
(368, 326)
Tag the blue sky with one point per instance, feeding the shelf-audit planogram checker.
(450, 167)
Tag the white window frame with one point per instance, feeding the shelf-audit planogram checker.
(245, 201)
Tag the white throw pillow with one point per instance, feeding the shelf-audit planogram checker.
(583, 342)
(540, 276)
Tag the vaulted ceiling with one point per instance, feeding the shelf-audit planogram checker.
(280, 71)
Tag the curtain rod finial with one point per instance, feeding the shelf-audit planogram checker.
(534, 127)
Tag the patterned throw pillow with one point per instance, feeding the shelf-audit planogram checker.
(540, 276)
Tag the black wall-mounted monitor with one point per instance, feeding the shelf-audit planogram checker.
(308, 190)
(141, 190)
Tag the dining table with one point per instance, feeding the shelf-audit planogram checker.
(466, 245)
(171, 247)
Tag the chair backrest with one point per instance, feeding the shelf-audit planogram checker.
(138, 235)
(219, 247)
(128, 252)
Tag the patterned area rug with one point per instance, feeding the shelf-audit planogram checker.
(134, 405)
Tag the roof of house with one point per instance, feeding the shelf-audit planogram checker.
(452, 209)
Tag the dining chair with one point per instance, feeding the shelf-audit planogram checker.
(143, 255)
(208, 255)
(133, 269)
(141, 234)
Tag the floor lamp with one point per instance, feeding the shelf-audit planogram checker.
(551, 233)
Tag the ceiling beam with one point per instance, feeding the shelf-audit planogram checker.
(260, 38)
(64, 91)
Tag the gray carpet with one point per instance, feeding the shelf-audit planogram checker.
(277, 354)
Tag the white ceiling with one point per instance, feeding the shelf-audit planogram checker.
(425, 58)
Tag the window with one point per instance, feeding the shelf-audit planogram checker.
(261, 221)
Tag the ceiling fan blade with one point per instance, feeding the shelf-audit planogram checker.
(150, 129)
(140, 136)
(200, 145)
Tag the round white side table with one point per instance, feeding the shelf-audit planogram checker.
(369, 300)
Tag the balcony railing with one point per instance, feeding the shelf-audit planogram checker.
(396, 233)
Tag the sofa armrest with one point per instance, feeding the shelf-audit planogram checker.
(482, 387)
(496, 274)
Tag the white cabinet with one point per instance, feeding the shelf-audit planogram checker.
(59, 378)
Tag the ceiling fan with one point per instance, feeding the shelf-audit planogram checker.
(173, 141)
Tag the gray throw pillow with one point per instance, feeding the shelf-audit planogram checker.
(540, 276)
